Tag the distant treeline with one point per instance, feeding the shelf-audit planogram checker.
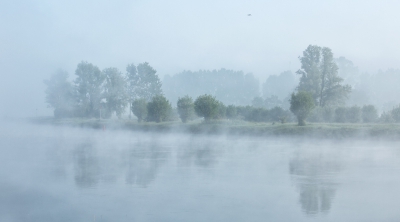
(319, 95)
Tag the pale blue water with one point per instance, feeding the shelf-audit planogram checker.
(68, 174)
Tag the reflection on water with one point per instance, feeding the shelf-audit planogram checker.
(143, 161)
(314, 176)
(86, 165)
(88, 175)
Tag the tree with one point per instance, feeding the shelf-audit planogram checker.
(280, 85)
(159, 109)
(143, 82)
(319, 77)
(301, 105)
(89, 84)
(139, 109)
(185, 108)
(207, 106)
(369, 113)
(60, 94)
(231, 112)
(115, 91)
(353, 114)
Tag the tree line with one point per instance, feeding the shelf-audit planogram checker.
(99, 94)
(319, 96)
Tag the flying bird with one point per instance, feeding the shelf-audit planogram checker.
(248, 14)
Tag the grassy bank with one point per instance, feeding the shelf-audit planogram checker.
(314, 130)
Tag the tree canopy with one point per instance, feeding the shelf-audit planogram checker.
(319, 77)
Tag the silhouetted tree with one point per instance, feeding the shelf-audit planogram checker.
(319, 77)
(185, 108)
(207, 106)
(301, 105)
(159, 109)
(139, 109)
(60, 94)
(115, 91)
(89, 84)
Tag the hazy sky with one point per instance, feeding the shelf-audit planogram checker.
(38, 37)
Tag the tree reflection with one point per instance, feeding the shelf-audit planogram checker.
(144, 160)
(86, 165)
(314, 177)
(198, 153)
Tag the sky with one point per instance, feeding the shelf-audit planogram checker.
(39, 37)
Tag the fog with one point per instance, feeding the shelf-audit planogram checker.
(61, 173)
(38, 38)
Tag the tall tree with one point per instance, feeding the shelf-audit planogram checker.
(319, 77)
(89, 83)
(143, 82)
(60, 94)
(115, 91)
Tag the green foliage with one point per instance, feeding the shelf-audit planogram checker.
(115, 91)
(278, 114)
(322, 114)
(369, 114)
(221, 110)
(279, 86)
(319, 77)
(185, 108)
(301, 104)
(340, 115)
(395, 113)
(143, 82)
(353, 114)
(231, 112)
(228, 86)
(207, 106)
(139, 109)
(89, 84)
(60, 94)
(386, 117)
(159, 109)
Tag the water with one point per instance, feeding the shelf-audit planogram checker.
(65, 174)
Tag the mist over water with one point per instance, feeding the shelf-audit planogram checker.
(71, 174)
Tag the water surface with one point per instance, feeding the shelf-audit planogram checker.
(70, 174)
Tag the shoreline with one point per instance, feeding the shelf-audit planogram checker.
(237, 127)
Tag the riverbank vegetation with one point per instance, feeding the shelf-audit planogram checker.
(219, 97)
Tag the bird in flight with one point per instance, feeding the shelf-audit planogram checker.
(248, 14)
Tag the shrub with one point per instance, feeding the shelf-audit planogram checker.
(159, 109)
(340, 115)
(369, 114)
(207, 106)
(278, 114)
(353, 114)
(185, 108)
(221, 110)
(301, 105)
(386, 117)
(231, 112)
(139, 109)
(396, 114)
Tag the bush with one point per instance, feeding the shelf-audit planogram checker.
(207, 106)
(396, 114)
(386, 117)
(159, 109)
(139, 109)
(340, 115)
(301, 105)
(369, 114)
(258, 115)
(231, 112)
(185, 108)
(221, 110)
(353, 114)
(278, 114)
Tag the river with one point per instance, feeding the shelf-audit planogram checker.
(50, 173)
